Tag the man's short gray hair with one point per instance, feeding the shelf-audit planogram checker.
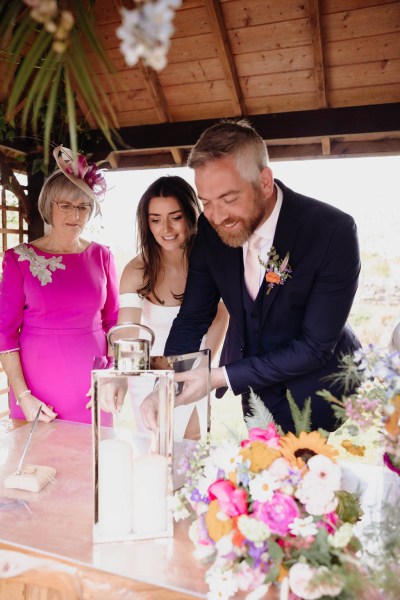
(229, 138)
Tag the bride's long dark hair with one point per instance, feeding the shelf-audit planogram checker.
(148, 248)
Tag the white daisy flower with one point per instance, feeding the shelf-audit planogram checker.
(262, 486)
(303, 527)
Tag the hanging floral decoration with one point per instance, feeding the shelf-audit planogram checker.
(146, 31)
(45, 46)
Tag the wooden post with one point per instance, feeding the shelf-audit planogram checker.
(35, 221)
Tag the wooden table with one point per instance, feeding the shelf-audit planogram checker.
(46, 548)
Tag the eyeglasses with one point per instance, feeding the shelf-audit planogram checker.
(68, 208)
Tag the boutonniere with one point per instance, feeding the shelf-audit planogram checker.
(277, 270)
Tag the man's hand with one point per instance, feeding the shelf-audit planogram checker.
(194, 388)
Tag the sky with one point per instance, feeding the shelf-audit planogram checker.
(367, 188)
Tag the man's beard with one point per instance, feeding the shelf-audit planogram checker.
(237, 238)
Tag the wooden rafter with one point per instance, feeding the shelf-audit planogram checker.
(155, 90)
(319, 69)
(274, 126)
(225, 55)
(161, 105)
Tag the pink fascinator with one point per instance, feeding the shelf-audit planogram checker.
(87, 176)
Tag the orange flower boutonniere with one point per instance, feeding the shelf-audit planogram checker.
(276, 270)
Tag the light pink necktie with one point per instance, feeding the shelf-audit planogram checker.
(252, 266)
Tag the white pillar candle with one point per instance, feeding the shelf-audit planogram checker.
(115, 487)
(149, 508)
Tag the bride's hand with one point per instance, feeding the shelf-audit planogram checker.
(111, 394)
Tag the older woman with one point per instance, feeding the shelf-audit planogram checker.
(58, 298)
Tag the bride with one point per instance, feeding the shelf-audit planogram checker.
(153, 283)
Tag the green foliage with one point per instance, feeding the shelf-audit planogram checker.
(348, 509)
(260, 415)
(7, 130)
(338, 406)
(44, 76)
(301, 418)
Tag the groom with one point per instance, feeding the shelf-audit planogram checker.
(288, 312)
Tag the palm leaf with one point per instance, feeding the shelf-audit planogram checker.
(87, 27)
(23, 75)
(96, 85)
(37, 90)
(9, 12)
(92, 94)
(260, 415)
(69, 95)
(301, 418)
(51, 107)
(48, 72)
(14, 50)
(41, 70)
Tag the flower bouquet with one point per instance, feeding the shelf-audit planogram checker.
(269, 509)
(375, 373)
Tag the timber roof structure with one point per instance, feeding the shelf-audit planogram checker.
(317, 78)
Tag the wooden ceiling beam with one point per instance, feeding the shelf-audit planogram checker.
(326, 146)
(299, 124)
(220, 34)
(319, 68)
(370, 120)
(154, 88)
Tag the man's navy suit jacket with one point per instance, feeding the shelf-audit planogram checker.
(300, 331)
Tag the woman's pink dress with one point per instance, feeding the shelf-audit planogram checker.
(57, 309)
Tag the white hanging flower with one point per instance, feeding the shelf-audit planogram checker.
(146, 31)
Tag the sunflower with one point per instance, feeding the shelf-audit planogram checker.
(298, 450)
(217, 523)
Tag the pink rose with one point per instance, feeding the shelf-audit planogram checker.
(270, 436)
(232, 500)
(278, 513)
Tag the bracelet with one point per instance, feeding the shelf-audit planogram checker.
(5, 352)
(21, 395)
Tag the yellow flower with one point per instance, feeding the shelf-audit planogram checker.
(353, 448)
(283, 572)
(217, 527)
(392, 422)
(260, 455)
(297, 450)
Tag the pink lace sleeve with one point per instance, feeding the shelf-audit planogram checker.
(12, 300)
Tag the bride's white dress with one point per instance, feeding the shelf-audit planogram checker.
(159, 318)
